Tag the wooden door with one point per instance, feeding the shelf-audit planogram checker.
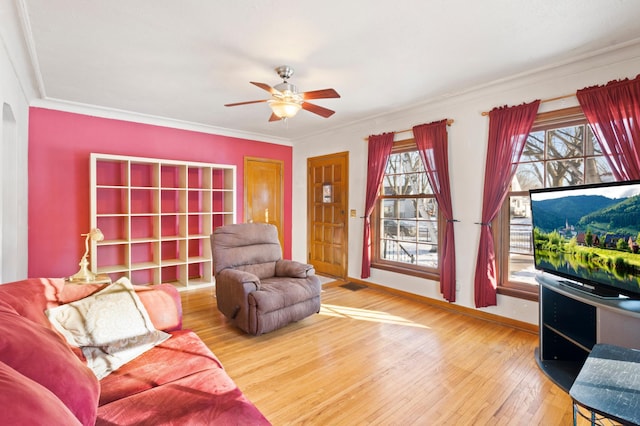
(263, 192)
(327, 202)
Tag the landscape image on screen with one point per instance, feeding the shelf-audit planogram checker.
(589, 234)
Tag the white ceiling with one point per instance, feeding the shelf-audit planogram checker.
(185, 59)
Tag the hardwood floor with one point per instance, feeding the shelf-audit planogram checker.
(372, 357)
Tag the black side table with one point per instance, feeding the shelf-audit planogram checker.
(609, 385)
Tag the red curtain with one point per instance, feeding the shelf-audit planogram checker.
(432, 143)
(613, 112)
(379, 151)
(508, 131)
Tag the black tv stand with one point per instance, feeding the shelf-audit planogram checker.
(573, 319)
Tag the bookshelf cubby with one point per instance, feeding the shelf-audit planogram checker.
(156, 216)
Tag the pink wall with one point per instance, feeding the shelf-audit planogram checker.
(59, 148)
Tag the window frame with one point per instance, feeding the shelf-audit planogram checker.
(400, 267)
(501, 225)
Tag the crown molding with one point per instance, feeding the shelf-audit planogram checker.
(116, 114)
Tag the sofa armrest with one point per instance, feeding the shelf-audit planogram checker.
(294, 269)
(163, 305)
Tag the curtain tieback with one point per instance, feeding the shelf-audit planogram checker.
(453, 220)
(483, 223)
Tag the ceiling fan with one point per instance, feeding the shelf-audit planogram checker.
(286, 101)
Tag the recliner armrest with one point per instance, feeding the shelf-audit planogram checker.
(232, 293)
(293, 269)
(234, 276)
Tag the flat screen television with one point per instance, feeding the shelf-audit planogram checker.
(589, 235)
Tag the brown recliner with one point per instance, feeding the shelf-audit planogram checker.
(255, 288)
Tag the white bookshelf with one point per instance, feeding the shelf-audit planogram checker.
(156, 216)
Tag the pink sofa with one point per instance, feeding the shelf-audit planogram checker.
(46, 381)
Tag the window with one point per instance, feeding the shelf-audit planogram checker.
(405, 237)
(561, 150)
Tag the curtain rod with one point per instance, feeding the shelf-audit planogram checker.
(449, 123)
(557, 98)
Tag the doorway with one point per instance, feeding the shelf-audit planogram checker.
(263, 192)
(327, 203)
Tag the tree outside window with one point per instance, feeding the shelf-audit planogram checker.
(406, 216)
(561, 150)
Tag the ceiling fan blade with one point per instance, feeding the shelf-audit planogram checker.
(320, 94)
(266, 87)
(316, 109)
(274, 117)
(245, 103)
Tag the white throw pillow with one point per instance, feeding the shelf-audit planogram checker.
(112, 327)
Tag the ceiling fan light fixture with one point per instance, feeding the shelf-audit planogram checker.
(286, 101)
(284, 108)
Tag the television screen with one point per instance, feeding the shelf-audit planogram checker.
(590, 234)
